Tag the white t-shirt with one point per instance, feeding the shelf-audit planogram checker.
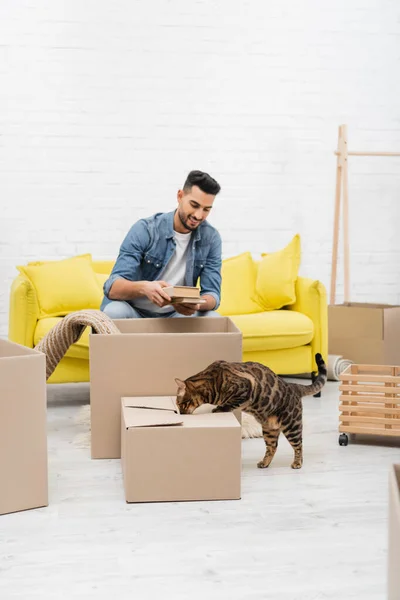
(174, 273)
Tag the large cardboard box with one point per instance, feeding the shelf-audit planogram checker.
(23, 435)
(365, 333)
(171, 457)
(394, 534)
(144, 361)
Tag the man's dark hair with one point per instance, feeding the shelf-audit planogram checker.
(203, 180)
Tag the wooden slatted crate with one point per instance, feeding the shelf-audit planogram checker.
(369, 401)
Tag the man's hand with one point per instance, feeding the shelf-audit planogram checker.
(153, 290)
(186, 309)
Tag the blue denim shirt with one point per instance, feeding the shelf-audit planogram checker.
(149, 245)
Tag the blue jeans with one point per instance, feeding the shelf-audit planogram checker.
(119, 309)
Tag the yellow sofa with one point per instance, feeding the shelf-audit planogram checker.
(286, 339)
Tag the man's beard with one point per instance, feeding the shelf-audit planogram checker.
(186, 224)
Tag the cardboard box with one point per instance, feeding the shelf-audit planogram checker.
(171, 457)
(144, 361)
(23, 434)
(365, 333)
(394, 534)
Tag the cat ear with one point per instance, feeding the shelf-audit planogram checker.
(181, 384)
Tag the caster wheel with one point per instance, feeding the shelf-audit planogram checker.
(343, 439)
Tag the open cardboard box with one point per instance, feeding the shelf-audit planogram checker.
(365, 333)
(23, 428)
(144, 361)
(167, 456)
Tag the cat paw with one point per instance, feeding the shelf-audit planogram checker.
(262, 464)
(296, 465)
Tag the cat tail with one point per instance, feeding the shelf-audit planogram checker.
(318, 381)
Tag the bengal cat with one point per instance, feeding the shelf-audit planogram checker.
(275, 403)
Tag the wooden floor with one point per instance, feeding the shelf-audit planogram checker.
(316, 533)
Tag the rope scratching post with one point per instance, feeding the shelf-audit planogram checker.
(68, 331)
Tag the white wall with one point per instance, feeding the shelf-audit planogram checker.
(105, 107)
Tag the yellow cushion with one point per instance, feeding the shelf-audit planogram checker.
(274, 330)
(276, 276)
(101, 279)
(78, 350)
(38, 263)
(64, 286)
(238, 286)
(103, 266)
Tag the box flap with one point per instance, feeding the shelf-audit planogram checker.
(167, 403)
(12, 350)
(150, 411)
(150, 417)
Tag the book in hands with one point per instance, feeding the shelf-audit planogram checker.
(182, 291)
(182, 300)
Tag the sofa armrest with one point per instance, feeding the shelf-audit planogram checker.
(311, 300)
(23, 312)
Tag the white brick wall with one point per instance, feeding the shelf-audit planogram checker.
(105, 107)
